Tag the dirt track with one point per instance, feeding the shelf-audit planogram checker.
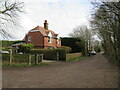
(93, 72)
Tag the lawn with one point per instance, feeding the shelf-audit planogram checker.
(76, 59)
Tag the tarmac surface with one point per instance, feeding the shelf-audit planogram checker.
(92, 72)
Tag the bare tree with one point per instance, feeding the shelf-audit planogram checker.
(105, 22)
(85, 34)
(10, 11)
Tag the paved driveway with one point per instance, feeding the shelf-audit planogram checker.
(93, 72)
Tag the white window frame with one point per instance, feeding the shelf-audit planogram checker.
(58, 41)
(29, 38)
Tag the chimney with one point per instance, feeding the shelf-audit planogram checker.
(46, 25)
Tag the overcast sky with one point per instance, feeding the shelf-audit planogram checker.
(62, 15)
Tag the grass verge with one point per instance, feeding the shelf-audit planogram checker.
(22, 65)
(76, 59)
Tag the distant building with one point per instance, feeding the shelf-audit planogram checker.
(42, 37)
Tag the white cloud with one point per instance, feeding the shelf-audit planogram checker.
(62, 16)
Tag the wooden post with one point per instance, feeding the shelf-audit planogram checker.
(57, 56)
(10, 56)
(29, 63)
(42, 56)
(36, 58)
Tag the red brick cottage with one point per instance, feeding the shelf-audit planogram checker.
(42, 37)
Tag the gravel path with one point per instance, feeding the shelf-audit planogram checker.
(92, 72)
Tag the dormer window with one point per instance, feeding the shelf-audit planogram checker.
(29, 38)
(50, 37)
(49, 40)
(57, 41)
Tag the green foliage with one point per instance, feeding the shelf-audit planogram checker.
(25, 48)
(16, 42)
(50, 54)
(76, 59)
(62, 53)
(76, 44)
(97, 49)
(5, 57)
(15, 57)
(20, 57)
(6, 43)
(68, 49)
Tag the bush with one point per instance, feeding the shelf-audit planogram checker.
(50, 54)
(6, 43)
(25, 48)
(62, 53)
(15, 57)
(20, 58)
(5, 57)
(68, 49)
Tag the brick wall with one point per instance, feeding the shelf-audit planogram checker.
(52, 44)
(36, 39)
(40, 41)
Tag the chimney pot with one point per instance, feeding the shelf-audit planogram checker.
(45, 21)
(46, 25)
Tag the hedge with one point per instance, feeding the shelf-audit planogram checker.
(50, 54)
(15, 57)
(76, 44)
(5, 57)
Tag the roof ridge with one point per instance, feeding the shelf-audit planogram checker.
(43, 31)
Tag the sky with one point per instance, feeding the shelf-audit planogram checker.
(62, 15)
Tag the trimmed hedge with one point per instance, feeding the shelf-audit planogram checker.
(20, 58)
(50, 54)
(68, 49)
(15, 57)
(5, 57)
(76, 44)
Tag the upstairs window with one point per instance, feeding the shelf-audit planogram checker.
(29, 38)
(49, 40)
(57, 41)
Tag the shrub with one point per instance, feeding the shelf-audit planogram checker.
(15, 57)
(62, 53)
(25, 48)
(6, 43)
(5, 57)
(68, 49)
(20, 58)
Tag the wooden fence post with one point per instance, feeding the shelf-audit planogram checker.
(57, 56)
(29, 63)
(10, 56)
(37, 58)
(42, 56)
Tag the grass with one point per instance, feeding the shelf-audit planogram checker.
(76, 59)
(22, 65)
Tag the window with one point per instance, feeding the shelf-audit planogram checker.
(57, 41)
(29, 38)
(49, 40)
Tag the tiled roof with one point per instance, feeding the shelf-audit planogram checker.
(44, 31)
